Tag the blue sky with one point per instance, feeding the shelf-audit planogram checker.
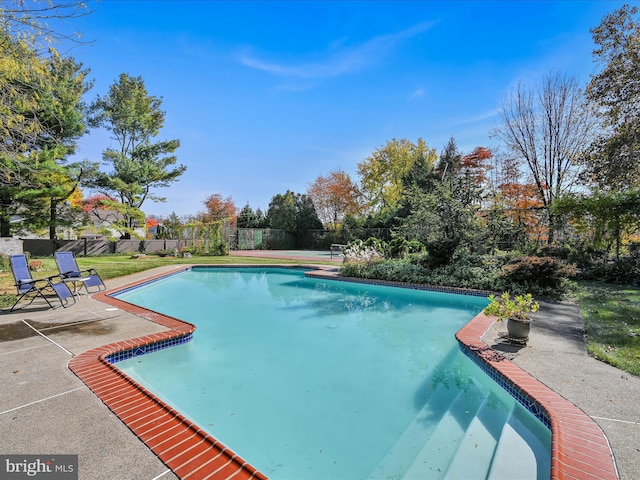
(266, 96)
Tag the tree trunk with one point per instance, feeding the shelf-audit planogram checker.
(52, 219)
(5, 216)
(552, 227)
(5, 225)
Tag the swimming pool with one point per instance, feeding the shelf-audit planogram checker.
(368, 380)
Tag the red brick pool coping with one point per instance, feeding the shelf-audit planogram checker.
(187, 450)
(579, 448)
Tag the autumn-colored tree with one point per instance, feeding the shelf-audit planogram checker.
(76, 198)
(334, 196)
(476, 164)
(519, 201)
(383, 172)
(113, 214)
(219, 208)
(95, 202)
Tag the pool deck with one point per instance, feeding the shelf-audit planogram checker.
(46, 409)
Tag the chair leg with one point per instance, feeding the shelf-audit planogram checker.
(35, 294)
(18, 301)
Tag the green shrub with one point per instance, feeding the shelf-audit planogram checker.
(398, 247)
(541, 276)
(379, 245)
(441, 251)
(390, 270)
(624, 270)
(415, 246)
(555, 251)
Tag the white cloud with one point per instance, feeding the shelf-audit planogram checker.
(418, 93)
(481, 117)
(340, 59)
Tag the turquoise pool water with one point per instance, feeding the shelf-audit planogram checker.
(314, 379)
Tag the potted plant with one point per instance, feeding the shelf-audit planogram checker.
(516, 311)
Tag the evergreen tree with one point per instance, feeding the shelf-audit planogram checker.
(139, 165)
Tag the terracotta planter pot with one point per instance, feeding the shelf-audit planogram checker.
(518, 330)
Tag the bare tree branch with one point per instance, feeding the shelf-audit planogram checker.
(37, 19)
(549, 127)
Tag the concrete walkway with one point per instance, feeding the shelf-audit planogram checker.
(45, 409)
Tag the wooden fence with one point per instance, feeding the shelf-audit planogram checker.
(84, 247)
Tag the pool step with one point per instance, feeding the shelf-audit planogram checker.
(436, 454)
(473, 458)
(516, 451)
(466, 435)
(396, 462)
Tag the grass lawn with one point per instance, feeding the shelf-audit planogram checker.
(111, 266)
(611, 315)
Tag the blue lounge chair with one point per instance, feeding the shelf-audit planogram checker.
(70, 272)
(29, 287)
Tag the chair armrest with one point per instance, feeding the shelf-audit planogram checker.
(32, 281)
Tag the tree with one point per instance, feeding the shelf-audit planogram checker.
(421, 175)
(475, 164)
(449, 161)
(294, 213)
(441, 200)
(219, 208)
(334, 196)
(247, 218)
(603, 219)
(514, 214)
(616, 88)
(134, 118)
(548, 129)
(62, 112)
(281, 214)
(167, 228)
(261, 220)
(23, 76)
(383, 171)
(41, 118)
(110, 211)
(34, 19)
(306, 215)
(614, 159)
